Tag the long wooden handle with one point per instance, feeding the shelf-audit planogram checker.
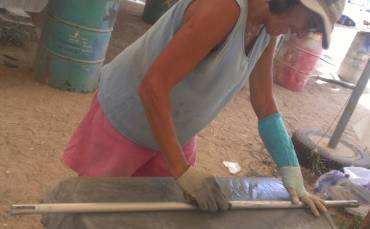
(18, 209)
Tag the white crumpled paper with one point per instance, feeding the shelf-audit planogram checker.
(233, 166)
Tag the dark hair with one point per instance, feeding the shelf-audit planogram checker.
(279, 6)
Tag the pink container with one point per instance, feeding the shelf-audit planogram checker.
(296, 60)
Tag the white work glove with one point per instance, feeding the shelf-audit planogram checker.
(202, 189)
(293, 182)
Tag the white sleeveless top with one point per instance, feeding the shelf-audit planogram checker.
(197, 99)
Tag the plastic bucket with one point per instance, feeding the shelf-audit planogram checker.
(295, 61)
(356, 59)
(74, 42)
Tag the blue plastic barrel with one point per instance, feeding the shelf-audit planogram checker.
(74, 43)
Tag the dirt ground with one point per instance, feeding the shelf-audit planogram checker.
(36, 122)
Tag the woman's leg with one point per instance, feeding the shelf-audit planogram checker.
(97, 149)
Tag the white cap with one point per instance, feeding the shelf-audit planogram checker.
(329, 12)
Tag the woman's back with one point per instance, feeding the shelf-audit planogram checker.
(197, 99)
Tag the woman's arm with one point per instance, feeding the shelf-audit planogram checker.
(260, 84)
(206, 25)
(274, 134)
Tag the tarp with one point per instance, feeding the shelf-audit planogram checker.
(130, 189)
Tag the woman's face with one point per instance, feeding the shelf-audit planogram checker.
(297, 20)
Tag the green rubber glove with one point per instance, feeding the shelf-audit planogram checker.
(276, 139)
(202, 189)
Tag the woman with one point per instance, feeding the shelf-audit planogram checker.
(163, 89)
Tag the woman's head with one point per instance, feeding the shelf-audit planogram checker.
(303, 16)
(291, 16)
(279, 6)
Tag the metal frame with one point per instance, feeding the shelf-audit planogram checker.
(348, 111)
(21, 209)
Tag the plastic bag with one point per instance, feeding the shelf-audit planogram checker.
(352, 184)
(327, 180)
(358, 175)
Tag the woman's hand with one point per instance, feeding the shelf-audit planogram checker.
(293, 182)
(202, 189)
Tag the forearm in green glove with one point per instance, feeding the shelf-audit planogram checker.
(277, 141)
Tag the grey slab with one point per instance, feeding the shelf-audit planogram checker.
(164, 189)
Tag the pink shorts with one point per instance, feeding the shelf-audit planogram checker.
(97, 149)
